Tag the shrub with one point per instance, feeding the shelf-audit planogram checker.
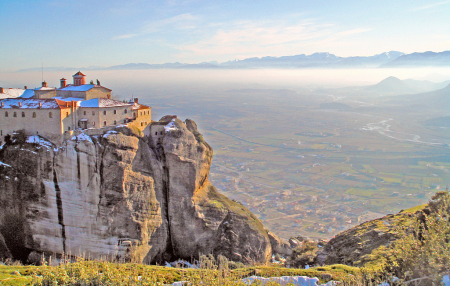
(422, 253)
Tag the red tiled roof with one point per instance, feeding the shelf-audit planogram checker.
(79, 73)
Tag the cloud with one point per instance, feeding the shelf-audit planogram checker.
(429, 6)
(124, 36)
(251, 38)
(180, 22)
(353, 32)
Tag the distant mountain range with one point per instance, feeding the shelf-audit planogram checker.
(317, 60)
(389, 86)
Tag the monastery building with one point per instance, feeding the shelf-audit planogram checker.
(56, 112)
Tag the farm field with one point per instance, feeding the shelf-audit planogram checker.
(314, 172)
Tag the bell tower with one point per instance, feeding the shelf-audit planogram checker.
(79, 79)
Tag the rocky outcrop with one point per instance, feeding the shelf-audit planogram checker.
(279, 245)
(145, 199)
(355, 246)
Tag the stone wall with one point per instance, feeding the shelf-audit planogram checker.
(43, 122)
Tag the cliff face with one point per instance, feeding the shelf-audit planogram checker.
(121, 196)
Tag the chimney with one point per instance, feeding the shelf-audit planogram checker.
(2, 103)
(136, 100)
(44, 84)
(20, 104)
(40, 104)
(1, 89)
(63, 83)
(25, 87)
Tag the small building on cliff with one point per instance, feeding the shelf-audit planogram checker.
(57, 112)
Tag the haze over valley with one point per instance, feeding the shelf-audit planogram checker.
(310, 152)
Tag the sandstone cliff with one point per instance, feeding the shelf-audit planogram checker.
(122, 196)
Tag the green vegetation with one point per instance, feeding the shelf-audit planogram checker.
(212, 272)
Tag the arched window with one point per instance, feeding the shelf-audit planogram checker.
(15, 114)
(115, 111)
(141, 113)
(126, 110)
(34, 114)
(104, 123)
(84, 112)
(23, 114)
(104, 112)
(50, 115)
(68, 128)
(6, 114)
(67, 114)
(115, 122)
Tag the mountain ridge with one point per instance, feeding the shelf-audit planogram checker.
(389, 59)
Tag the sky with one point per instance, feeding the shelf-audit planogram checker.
(104, 33)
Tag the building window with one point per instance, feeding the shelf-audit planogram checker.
(93, 123)
(115, 122)
(85, 112)
(125, 121)
(15, 114)
(156, 133)
(68, 128)
(6, 114)
(161, 133)
(141, 113)
(104, 112)
(115, 111)
(93, 112)
(104, 123)
(67, 114)
(126, 110)
(34, 114)
(23, 114)
(50, 115)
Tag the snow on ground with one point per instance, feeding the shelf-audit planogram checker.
(3, 164)
(39, 140)
(82, 137)
(284, 280)
(171, 126)
(109, 133)
(11, 92)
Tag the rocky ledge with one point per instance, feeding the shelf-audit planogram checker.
(121, 196)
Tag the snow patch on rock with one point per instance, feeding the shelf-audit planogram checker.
(82, 137)
(171, 126)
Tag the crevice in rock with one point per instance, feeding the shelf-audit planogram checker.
(60, 209)
(166, 188)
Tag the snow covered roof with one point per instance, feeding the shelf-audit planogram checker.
(83, 87)
(140, 106)
(103, 102)
(11, 92)
(68, 98)
(29, 103)
(45, 88)
(28, 93)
